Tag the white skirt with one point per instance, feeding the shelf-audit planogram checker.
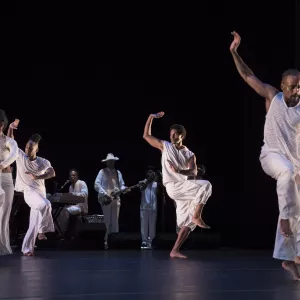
(187, 195)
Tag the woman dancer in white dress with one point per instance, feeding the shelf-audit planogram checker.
(8, 154)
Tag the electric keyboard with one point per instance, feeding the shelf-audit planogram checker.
(66, 198)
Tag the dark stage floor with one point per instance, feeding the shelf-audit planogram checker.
(128, 274)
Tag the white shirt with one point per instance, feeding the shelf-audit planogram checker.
(36, 167)
(80, 189)
(149, 196)
(282, 126)
(179, 158)
(8, 151)
(107, 180)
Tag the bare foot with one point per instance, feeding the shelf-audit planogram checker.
(291, 267)
(28, 254)
(199, 222)
(177, 254)
(42, 236)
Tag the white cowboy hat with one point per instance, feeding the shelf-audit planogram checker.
(110, 156)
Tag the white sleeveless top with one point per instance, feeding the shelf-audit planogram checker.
(179, 158)
(8, 151)
(282, 127)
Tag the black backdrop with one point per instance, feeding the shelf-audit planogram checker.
(87, 105)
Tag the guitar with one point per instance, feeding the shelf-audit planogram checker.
(116, 192)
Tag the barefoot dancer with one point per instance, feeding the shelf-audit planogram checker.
(279, 156)
(8, 154)
(32, 171)
(178, 162)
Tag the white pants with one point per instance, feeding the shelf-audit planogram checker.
(287, 248)
(111, 217)
(187, 195)
(40, 218)
(6, 200)
(148, 224)
(281, 169)
(63, 219)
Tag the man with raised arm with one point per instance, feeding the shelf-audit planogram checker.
(279, 154)
(178, 162)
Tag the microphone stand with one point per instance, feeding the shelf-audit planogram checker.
(55, 187)
(58, 190)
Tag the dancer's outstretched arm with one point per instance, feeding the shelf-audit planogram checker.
(11, 127)
(153, 141)
(265, 90)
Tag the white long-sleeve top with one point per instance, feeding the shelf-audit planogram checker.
(107, 180)
(149, 197)
(8, 151)
(80, 189)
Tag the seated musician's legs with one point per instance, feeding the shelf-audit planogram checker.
(63, 219)
(64, 216)
(73, 212)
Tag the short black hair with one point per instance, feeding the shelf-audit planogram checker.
(35, 138)
(290, 72)
(179, 128)
(3, 118)
(74, 170)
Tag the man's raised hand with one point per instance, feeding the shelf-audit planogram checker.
(158, 115)
(236, 41)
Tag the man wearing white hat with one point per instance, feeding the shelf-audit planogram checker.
(108, 182)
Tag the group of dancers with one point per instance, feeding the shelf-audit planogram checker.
(280, 159)
(32, 171)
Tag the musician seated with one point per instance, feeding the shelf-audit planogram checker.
(69, 214)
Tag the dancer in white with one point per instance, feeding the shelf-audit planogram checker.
(148, 209)
(279, 155)
(178, 162)
(8, 154)
(32, 171)
(108, 181)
